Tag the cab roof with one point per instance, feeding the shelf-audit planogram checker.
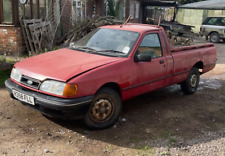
(136, 27)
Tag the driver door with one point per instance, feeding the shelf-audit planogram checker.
(150, 75)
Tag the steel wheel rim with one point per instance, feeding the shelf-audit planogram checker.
(193, 81)
(101, 110)
(214, 38)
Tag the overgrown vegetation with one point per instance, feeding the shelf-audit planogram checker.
(5, 69)
(4, 74)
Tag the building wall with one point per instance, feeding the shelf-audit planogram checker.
(195, 17)
(11, 41)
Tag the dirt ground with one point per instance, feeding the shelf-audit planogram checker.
(165, 122)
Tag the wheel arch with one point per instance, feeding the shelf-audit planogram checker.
(112, 85)
(199, 65)
(212, 32)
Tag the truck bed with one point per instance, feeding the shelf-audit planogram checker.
(185, 48)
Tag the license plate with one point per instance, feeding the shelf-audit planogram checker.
(23, 97)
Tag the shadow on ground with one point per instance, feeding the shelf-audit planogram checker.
(165, 118)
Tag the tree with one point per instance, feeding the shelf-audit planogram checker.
(113, 8)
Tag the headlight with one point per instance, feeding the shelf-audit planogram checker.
(15, 74)
(58, 88)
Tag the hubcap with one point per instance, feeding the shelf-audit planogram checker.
(193, 81)
(101, 110)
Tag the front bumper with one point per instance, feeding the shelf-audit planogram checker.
(53, 106)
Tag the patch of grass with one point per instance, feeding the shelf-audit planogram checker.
(135, 140)
(3, 76)
(10, 61)
(145, 150)
(163, 153)
(110, 148)
(167, 134)
(2, 59)
(172, 141)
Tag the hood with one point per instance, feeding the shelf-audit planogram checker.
(61, 64)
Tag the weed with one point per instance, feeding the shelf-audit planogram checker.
(163, 153)
(110, 148)
(172, 141)
(47, 50)
(167, 134)
(135, 140)
(145, 150)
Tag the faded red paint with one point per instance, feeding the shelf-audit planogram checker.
(90, 71)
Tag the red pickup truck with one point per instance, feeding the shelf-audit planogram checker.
(111, 64)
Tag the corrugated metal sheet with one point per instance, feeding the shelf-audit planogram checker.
(209, 4)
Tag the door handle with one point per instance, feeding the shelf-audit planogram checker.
(161, 61)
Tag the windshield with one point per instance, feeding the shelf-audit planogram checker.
(107, 42)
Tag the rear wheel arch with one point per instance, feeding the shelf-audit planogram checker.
(199, 65)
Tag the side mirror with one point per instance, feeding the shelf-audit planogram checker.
(142, 57)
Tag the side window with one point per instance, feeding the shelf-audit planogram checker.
(151, 44)
(223, 22)
(213, 21)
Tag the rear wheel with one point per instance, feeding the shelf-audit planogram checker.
(190, 85)
(104, 110)
(214, 37)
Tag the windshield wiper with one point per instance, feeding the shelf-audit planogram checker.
(111, 51)
(85, 48)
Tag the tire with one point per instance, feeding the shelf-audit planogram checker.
(190, 85)
(223, 39)
(105, 109)
(214, 37)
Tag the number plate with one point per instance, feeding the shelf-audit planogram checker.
(23, 97)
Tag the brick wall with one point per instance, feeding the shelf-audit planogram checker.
(11, 41)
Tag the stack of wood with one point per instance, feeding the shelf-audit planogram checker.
(179, 40)
(85, 27)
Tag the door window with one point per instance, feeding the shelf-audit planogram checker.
(151, 44)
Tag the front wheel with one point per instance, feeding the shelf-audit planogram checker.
(190, 85)
(104, 110)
